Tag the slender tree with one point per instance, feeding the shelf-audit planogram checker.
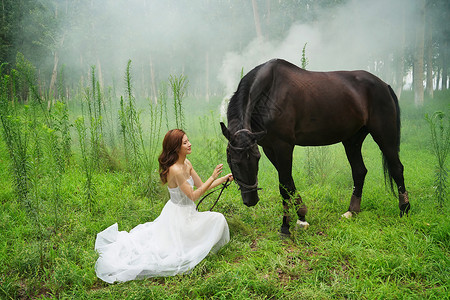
(418, 69)
(256, 19)
(429, 54)
(444, 64)
(439, 11)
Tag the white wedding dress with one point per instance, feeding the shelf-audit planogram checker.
(174, 243)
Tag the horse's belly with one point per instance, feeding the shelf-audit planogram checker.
(313, 141)
(323, 136)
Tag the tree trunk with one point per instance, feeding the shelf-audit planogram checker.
(398, 79)
(52, 87)
(256, 17)
(429, 57)
(418, 69)
(3, 10)
(207, 77)
(438, 76)
(399, 59)
(100, 73)
(152, 76)
(444, 75)
(144, 89)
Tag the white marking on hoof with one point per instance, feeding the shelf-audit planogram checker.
(347, 215)
(301, 224)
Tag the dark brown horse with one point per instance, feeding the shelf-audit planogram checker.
(278, 105)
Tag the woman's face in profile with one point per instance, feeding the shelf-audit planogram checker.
(185, 148)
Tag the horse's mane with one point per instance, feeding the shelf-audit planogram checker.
(258, 81)
(239, 100)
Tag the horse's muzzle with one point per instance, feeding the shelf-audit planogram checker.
(250, 198)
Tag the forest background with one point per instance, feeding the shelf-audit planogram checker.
(88, 89)
(211, 41)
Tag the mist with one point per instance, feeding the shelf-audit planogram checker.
(211, 42)
(355, 35)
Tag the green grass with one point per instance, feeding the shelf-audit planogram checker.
(375, 255)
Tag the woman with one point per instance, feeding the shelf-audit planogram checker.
(179, 238)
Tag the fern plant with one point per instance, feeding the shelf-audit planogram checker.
(162, 96)
(304, 59)
(130, 125)
(140, 154)
(179, 87)
(15, 134)
(440, 140)
(88, 164)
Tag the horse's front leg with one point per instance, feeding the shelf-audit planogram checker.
(281, 158)
(292, 199)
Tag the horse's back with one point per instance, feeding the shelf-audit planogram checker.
(317, 108)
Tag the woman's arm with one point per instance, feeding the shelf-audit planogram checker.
(198, 181)
(186, 188)
(221, 180)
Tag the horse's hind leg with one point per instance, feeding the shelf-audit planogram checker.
(359, 171)
(387, 143)
(395, 168)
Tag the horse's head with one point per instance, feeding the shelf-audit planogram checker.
(243, 157)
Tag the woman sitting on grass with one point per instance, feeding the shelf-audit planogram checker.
(180, 237)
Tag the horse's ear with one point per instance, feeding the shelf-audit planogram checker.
(258, 135)
(225, 130)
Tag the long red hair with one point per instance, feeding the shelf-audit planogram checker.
(169, 155)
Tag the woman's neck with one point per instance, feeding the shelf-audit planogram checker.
(181, 160)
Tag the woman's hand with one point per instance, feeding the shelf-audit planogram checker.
(228, 177)
(217, 171)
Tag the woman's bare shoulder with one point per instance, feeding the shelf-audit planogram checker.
(178, 172)
(174, 170)
(188, 163)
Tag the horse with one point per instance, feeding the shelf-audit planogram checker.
(278, 105)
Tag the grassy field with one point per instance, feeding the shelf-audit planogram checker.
(48, 251)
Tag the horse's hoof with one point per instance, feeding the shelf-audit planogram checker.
(347, 215)
(284, 235)
(285, 231)
(404, 209)
(302, 224)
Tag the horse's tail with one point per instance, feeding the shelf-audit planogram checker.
(387, 172)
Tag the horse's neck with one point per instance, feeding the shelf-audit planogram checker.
(242, 109)
(235, 125)
(241, 124)
(238, 120)
(247, 117)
